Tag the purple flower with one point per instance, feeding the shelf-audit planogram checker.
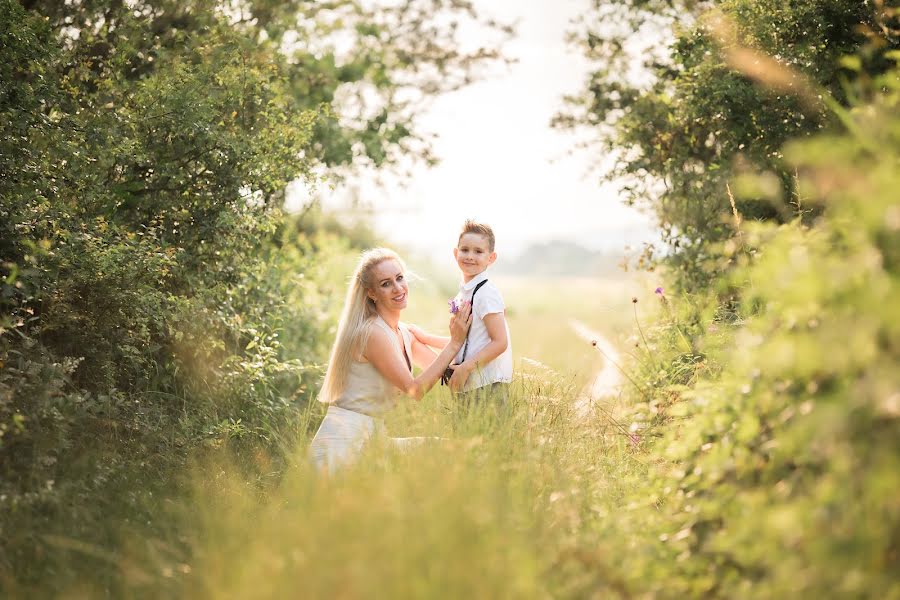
(454, 305)
(659, 291)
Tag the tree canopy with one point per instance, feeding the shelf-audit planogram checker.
(152, 293)
(692, 115)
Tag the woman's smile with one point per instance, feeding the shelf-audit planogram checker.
(390, 289)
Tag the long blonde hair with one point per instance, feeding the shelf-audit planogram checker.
(354, 325)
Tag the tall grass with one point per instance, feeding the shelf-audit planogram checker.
(496, 504)
(505, 503)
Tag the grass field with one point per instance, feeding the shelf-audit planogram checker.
(521, 506)
(527, 504)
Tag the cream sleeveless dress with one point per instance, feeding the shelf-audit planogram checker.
(355, 415)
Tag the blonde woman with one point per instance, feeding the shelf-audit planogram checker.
(370, 368)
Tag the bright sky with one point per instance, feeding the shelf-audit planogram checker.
(501, 162)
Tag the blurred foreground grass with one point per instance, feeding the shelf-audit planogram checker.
(494, 506)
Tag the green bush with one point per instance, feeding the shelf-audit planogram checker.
(782, 445)
(154, 300)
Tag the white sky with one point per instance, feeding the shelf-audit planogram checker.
(500, 161)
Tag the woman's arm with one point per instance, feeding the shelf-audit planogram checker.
(495, 323)
(382, 353)
(429, 339)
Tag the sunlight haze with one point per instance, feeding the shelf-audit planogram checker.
(500, 162)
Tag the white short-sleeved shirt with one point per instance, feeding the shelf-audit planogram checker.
(487, 301)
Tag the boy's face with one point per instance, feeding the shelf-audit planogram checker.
(473, 254)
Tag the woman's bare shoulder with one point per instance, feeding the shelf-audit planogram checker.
(371, 331)
(377, 337)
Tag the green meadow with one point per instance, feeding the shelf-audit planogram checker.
(518, 503)
(491, 504)
(165, 323)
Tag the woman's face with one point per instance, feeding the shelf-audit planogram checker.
(389, 288)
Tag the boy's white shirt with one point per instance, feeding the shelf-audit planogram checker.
(487, 301)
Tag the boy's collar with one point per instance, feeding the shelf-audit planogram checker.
(474, 281)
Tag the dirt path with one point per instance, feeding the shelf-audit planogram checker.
(608, 379)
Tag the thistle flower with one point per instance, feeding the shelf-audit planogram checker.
(662, 295)
(454, 305)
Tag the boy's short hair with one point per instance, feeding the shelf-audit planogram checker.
(482, 229)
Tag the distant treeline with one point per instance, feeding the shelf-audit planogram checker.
(561, 258)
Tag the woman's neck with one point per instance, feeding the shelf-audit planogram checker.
(391, 317)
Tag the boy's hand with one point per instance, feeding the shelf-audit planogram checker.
(460, 375)
(427, 339)
(417, 333)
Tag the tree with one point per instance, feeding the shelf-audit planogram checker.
(148, 279)
(695, 115)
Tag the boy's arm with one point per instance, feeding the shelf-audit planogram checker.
(495, 323)
(422, 354)
(429, 339)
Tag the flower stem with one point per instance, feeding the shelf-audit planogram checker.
(641, 330)
(642, 391)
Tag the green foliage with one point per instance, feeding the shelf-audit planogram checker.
(154, 300)
(697, 116)
(770, 378)
(781, 444)
(369, 63)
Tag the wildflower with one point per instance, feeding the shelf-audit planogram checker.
(634, 299)
(634, 439)
(662, 295)
(454, 305)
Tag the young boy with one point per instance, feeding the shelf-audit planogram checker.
(487, 365)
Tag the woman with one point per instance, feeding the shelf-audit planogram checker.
(371, 362)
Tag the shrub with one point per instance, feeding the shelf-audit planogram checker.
(782, 467)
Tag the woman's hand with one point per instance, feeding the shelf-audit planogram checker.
(460, 322)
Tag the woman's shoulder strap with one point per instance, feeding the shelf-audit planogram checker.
(405, 332)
